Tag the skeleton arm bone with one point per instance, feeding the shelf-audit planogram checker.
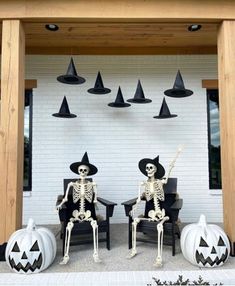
(95, 192)
(65, 199)
(172, 164)
(134, 207)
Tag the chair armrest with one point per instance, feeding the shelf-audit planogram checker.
(105, 202)
(128, 205)
(177, 205)
(109, 206)
(59, 200)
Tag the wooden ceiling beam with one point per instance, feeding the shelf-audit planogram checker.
(121, 50)
(118, 10)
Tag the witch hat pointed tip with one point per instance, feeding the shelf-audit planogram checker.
(85, 158)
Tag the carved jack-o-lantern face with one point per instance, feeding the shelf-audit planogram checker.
(25, 260)
(211, 254)
(204, 245)
(30, 250)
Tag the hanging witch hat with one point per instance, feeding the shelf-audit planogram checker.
(139, 95)
(99, 86)
(178, 89)
(164, 111)
(160, 169)
(71, 76)
(119, 101)
(85, 161)
(64, 110)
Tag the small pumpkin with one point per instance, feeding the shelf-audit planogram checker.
(204, 245)
(30, 250)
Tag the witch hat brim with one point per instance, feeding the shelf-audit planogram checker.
(160, 169)
(164, 111)
(64, 111)
(178, 89)
(71, 76)
(85, 161)
(119, 101)
(99, 86)
(139, 95)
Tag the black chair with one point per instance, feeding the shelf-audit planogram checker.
(82, 230)
(172, 205)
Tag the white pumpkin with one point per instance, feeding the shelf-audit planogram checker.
(204, 245)
(30, 250)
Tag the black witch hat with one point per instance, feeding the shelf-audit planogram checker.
(160, 169)
(85, 161)
(139, 95)
(178, 89)
(164, 111)
(64, 110)
(119, 101)
(71, 76)
(99, 86)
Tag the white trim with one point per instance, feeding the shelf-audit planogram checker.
(27, 194)
(217, 192)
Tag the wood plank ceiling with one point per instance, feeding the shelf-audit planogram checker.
(120, 38)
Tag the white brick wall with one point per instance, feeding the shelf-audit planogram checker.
(116, 139)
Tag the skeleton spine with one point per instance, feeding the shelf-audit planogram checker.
(82, 205)
(156, 203)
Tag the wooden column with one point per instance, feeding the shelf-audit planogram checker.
(11, 127)
(226, 71)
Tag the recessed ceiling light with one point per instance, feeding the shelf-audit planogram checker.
(52, 27)
(194, 27)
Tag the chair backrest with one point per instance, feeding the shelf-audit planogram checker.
(170, 190)
(71, 206)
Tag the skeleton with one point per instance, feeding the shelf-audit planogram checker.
(82, 190)
(153, 189)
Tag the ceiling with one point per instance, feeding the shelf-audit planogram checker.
(120, 38)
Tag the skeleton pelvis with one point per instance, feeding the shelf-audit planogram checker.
(156, 214)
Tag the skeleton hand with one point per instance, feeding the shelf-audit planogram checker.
(134, 207)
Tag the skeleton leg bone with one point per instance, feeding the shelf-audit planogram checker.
(69, 228)
(95, 239)
(134, 228)
(160, 232)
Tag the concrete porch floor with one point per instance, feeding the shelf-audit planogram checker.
(115, 260)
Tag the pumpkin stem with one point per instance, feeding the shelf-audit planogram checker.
(202, 220)
(31, 224)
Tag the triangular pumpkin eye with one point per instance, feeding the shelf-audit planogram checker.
(16, 248)
(221, 242)
(203, 243)
(35, 246)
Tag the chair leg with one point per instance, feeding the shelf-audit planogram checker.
(64, 235)
(108, 238)
(173, 239)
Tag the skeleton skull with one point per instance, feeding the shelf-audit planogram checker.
(151, 169)
(83, 171)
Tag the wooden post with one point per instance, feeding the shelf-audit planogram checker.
(11, 127)
(226, 71)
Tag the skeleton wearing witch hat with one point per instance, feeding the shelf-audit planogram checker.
(153, 191)
(84, 192)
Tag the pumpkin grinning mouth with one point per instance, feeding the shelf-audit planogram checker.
(36, 264)
(217, 261)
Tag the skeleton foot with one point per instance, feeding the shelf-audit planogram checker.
(132, 253)
(64, 260)
(158, 262)
(96, 258)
